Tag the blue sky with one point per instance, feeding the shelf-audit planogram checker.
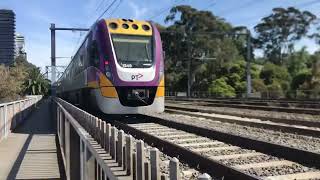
(33, 18)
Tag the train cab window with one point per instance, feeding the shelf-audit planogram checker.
(94, 54)
(133, 51)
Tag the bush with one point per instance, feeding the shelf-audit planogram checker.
(258, 85)
(220, 88)
(275, 90)
(272, 72)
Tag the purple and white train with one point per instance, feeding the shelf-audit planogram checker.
(118, 68)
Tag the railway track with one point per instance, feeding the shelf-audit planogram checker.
(221, 154)
(263, 102)
(290, 126)
(249, 105)
(263, 117)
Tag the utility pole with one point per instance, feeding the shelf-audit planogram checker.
(53, 30)
(248, 66)
(53, 53)
(189, 72)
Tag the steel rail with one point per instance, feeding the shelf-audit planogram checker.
(254, 106)
(293, 154)
(214, 168)
(278, 127)
(263, 118)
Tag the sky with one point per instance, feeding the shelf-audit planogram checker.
(33, 18)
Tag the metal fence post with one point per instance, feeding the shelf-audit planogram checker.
(174, 172)
(67, 146)
(155, 160)
(147, 172)
(129, 151)
(89, 165)
(113, 142)
(13, 119)
(140, 160)
(82, 161)
(5, 118)
(120, 148)
(107, 137)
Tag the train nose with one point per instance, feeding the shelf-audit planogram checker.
(140, 94)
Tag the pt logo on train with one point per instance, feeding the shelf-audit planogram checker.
(136, 77)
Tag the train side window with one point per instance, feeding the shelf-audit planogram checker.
(94, 54)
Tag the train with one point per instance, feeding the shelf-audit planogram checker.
(119, 69)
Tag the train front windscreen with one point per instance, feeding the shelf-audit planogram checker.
(133, 51)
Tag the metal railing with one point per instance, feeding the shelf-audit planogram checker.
(14, 113)
(93, 149)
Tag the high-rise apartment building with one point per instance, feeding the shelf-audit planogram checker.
(7, 36)
(19, 45)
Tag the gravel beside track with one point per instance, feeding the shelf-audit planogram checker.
(292, 140)
(246, 160)
(248, 112)
(186, 171)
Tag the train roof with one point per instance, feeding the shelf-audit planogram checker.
(129, 26)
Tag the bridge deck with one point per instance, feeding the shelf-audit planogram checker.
(30, 152)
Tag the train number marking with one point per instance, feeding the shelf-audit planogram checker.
(136, 77)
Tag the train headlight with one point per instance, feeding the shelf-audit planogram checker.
(108, 74)
(107, 69)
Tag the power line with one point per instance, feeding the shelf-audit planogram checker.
(106, 9)
(77, 44)
(210, 5)
(99, 5)
(116, 8)
(163, 10)
(234, 8)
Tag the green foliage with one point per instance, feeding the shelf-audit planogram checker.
(275, 90)
(271, 72)
(35, 83)
(297, 62)
(278, 32)
(258, 85)
(220, 88)
(218, 61)
(10, 83)
(300, 79)
(185, 40)
(14, 80)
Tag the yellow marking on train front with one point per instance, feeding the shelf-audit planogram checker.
(130, 30)
(160, 89)
(109, 92)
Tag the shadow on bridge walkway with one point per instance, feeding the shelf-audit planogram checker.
(31, 151)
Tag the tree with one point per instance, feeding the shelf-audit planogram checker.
(278, 32)
(220, 88)
(297, 62)
(274, 75)
(190, 39)
(11, 83)
(315, 81)
(35, 83)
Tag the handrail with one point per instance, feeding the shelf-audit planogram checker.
(14, 113)
(101, 151)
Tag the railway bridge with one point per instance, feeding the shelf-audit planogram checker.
(48, 138)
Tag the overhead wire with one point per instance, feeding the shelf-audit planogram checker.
(100, 5)
(112, 3)
(234, 8)
(210, 5)
(164, 10)
(116, 8)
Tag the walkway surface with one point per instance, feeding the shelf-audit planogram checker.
(30, 152)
